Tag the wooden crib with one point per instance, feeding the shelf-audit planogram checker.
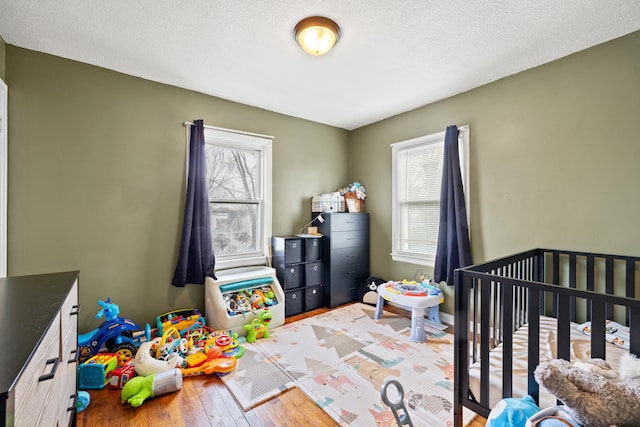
(532, 303)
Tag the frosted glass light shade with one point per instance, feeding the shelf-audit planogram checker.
(317, 34)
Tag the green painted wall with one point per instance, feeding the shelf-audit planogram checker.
(554, 159)
(96, 177)
(96, 168)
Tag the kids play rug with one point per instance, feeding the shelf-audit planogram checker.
(341, 359)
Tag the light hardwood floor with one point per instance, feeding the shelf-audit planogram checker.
(204, 401)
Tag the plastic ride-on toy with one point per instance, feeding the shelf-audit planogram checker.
(119, 335)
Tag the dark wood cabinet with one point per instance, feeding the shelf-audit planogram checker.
(300, 270)
(346, 255)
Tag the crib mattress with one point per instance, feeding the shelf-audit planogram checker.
(580, 350)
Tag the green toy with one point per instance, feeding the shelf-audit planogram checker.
(139, 389)
(259, 327)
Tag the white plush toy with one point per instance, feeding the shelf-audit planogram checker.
(145, 364)
(597, 395)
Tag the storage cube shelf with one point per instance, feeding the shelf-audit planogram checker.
(299, 265)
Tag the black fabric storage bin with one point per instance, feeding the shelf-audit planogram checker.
(313, 248)
(314, 273)
(294, 302)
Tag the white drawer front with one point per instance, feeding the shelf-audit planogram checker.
(66, 392)
(30, 391)
(69, 323)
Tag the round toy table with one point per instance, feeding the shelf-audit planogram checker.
(418, 305)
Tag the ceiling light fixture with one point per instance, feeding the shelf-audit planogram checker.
(316, 34)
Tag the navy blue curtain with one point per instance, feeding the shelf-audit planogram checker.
(196, 259)
(453, 250)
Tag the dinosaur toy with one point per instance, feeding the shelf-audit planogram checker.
(139, 389)
(259, 327)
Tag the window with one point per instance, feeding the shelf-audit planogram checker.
(417, 176)
(239, 177)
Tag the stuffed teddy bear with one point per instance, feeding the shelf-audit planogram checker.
(597, 395)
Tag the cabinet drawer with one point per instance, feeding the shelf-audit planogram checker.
(313, 248)
(345, 222)
(349, 239)
(314, 273)
(66, 392)
(349, 256)
(33, 384)
(69, 324)
(347, 277)
(294, 302)
(292, 276)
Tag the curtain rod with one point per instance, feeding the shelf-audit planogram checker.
(185, 124)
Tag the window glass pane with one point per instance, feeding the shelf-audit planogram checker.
(418, 165)
(233, 179)
(233, 228)
(232, 173)
(419, 227)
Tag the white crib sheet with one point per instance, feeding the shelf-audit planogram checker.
(580, 350)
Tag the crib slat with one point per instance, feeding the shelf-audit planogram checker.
(485, 291)
(564, 330)
(507, 343)
(598, 330)
(630, 284)
(634, 335)
(591, 267)
(572, 284)
(461, 343)
(534, 343)
(609, 285)
(556, 279)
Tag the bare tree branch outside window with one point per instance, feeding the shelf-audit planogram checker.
(234, 199)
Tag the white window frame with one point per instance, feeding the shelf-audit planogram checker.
(3, 177)
(436, 138)
(230, 138)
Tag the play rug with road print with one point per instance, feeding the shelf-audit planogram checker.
(341, 358)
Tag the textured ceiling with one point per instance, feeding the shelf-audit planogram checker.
(393, 55)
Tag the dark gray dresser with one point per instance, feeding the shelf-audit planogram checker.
(346, 255)
(300, 270)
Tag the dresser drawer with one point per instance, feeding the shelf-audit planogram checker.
(348, 256)
(346, 222)
(37, 379)
(66, 392)
(69, 325)
(349, 239)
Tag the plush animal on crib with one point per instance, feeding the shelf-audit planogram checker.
(597, 395)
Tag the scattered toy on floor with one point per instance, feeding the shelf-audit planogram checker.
(259, 327)
(140, 388)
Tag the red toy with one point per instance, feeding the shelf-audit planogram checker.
(120, 375)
